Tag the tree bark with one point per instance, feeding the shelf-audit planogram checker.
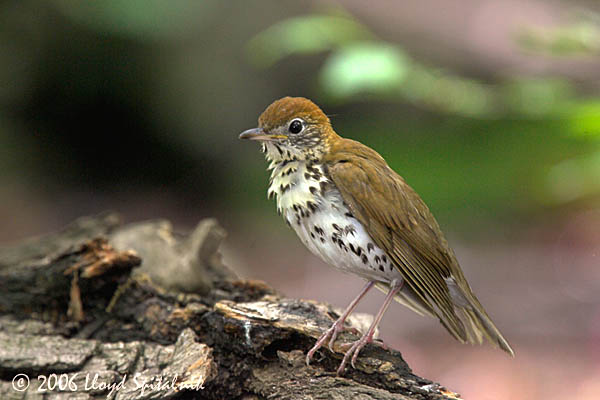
(104, 310)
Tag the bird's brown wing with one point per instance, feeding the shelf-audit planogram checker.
(401, 224)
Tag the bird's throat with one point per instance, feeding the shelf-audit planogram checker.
(299, 187)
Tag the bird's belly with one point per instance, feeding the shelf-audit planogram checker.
(341, 241)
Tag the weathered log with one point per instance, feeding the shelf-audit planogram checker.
(81, 318)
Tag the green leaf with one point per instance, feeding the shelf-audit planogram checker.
(364, 67)
(302, 35)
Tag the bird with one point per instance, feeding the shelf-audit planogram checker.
(351, 209)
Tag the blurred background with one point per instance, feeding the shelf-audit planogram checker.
(490, 110)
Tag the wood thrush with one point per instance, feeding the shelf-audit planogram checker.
(354, 212)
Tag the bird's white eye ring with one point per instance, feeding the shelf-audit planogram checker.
(296, 126)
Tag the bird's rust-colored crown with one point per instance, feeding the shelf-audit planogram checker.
(283, 110)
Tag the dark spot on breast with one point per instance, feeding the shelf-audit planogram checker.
(313, 190)
(312, 206)
(322, 239)
(349, 215)
(381, 268)
(323, 185)
(336, 227)
(312, 235)
(307, 176)
(364, 259)
(349, 229)
(279, 150)
(384, 258)
(370, 247)
(337, 240)
(377, 259)
(285, 188)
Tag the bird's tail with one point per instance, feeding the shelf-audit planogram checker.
(467, 322)
(476, 321)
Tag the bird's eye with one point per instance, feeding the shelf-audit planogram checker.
(295, 126)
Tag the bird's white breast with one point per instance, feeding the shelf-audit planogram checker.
(314, 208)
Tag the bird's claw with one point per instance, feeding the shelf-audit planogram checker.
(330, 334)
(334, 335)
(352, 353)
(381, 343)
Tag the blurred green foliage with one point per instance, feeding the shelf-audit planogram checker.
(364, 66)
(98, 97)
(361, 64)
(303, 35)
(582, 37)
(141, 19)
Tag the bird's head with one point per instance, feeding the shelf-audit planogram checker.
(292, 128)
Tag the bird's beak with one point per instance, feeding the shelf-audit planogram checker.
(260, 134)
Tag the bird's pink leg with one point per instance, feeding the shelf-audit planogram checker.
(338, 325)
(368, 336)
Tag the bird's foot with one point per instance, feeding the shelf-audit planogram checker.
(331, 334)
(355, 348)
(378, 342)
